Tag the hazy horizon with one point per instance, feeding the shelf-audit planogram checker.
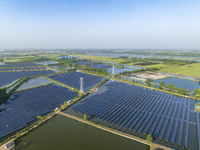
(88, 24)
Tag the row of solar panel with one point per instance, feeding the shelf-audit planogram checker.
(141, 110)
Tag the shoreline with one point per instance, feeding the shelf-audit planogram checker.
(152, 146)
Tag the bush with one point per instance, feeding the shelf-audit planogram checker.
(85, 117)
(161, 84)
(149, 138)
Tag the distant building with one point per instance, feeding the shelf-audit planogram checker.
(67, 56)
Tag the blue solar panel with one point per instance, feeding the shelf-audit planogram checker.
(73, 79)
(171, 123)
(26, 105)
(187, 126)
(181, 127)
(9, 77)
(142, 110)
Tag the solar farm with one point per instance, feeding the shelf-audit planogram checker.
(169, 119)
(73, 79)
(17, 69)
(85, 63)
(24, 106)
(9, 77)
(20, 65)
(99, 66)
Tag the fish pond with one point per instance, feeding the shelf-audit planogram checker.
(65, 133)
(33, 83)
(117, 70)
(180, 83)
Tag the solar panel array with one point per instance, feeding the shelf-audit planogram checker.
(16, 69)
(99, 66)
(20, 65)
(143, 111)
(198, 128)
(73, 79)
(9, 77)
(24, 106)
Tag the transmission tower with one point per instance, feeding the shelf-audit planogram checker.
(113, 70)
(81, 84)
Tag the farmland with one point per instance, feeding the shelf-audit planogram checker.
(168, 119)
(73, 79)
(9, 77)
(187, 70)
(130, 108)
(23, 107)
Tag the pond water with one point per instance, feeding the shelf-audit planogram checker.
(180, 83)
(33, 82)
(127, 66)
(117, 70)
(8, 84)
(185, 77)
(62, 133)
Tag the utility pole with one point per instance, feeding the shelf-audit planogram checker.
(81, 85)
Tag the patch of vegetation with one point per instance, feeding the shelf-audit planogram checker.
(3, 95)
(90, 69)
(146, 63)
(149, 138)
(34, 59)
(85, 117)
(173, 88)
(148, 82)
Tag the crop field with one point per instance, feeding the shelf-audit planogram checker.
(73, 79)
(9, 77)
(100, 66)
(24, 106)
(169, 119)
(187, 70)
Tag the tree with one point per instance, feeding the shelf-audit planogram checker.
(133, 81)
(148, 81)
(85, 117)
(161, 84)
(196, 91)
(154, 85)
(149, 138)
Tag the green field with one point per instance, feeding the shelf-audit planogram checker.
(186, 70)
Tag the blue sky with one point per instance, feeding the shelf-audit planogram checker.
(136, 24)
